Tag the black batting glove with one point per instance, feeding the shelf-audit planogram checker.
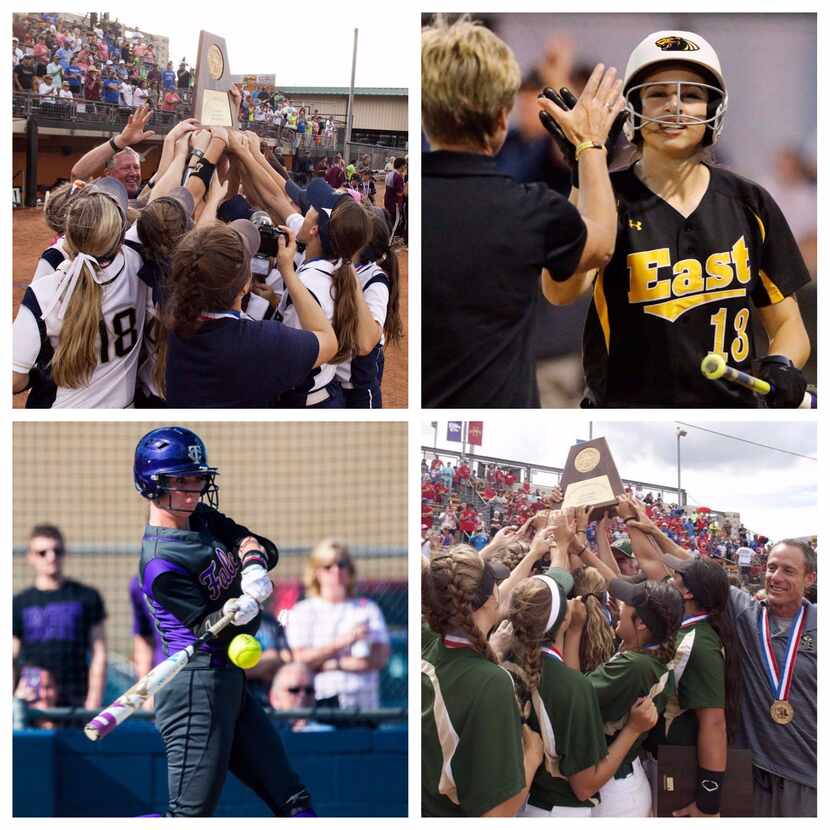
(566, 100)
(789, 384)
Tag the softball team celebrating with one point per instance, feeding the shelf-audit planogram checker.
(549, 680)
(177, 298)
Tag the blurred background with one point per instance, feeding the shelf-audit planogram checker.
(770, 66)
(296, 484)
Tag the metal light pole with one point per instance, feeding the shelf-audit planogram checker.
(435, 436)
(681, 433)
(347, 141)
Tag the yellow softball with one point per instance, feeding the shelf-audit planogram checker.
(244, 651)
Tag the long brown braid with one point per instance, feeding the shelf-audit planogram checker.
(449, 587)
(530, 605)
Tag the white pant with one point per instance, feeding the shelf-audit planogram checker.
(629, 796)
(557, 812)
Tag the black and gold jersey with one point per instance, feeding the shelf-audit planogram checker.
(680, 287)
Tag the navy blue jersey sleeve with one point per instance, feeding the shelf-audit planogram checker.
(295, 356)
(781, 270)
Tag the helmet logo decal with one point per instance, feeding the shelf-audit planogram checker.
(194, 452)
(675, 43)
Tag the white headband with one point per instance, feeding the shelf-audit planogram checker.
(555, 599)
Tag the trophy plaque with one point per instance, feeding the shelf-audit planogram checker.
(590, 477)
(212, 103)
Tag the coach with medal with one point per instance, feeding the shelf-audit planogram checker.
(779, 658)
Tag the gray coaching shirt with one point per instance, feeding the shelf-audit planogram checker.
(788, 751)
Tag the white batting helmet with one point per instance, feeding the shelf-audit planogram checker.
(671, 47)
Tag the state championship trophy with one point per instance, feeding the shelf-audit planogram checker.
(212, 102)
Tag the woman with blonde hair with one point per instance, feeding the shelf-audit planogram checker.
(477, 345)
(476, 757)
(341, 637)
(87, 318)
(597, 643)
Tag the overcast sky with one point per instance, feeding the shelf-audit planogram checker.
(774, 493)
(302, 44)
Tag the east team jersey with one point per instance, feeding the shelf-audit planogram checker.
(126, 302)
(678, 288)
(186, 575)
(315, 275)
(361, 372)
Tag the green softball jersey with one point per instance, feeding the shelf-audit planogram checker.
(618, 684)
(578, 734)
(700, 678)
(471, 743)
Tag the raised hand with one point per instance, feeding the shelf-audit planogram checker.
(135, 131)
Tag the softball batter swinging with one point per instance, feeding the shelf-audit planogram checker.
(698, 248)
(196, 565)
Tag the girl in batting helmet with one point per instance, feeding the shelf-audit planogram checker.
(196, 566)
(699, 251)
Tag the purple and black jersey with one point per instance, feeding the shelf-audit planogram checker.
(187, 575)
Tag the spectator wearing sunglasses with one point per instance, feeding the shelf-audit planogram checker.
(58, 624)
(340, 637)
(293, 688)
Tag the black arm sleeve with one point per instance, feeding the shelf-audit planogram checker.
(231, 534)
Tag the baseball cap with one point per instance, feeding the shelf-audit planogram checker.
(184, 198)
(236, 208)
(114, 189)
(638, 594)
(624, 547)
(705, 579)
(323, 198)
(561, 583)
(249, 233)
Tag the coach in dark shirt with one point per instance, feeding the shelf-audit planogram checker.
(492, 248)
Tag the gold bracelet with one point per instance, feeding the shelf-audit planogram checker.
(586, 145)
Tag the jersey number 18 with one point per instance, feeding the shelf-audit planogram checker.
(126, 334)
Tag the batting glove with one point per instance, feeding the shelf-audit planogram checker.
(243, 608)
(566, 100)
(256, 584)
(788, 382)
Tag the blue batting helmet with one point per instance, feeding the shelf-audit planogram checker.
(168, 452)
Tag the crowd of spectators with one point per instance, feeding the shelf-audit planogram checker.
(325, 651)
(98, 62)
(459, 506)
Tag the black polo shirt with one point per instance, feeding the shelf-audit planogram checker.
(486, 239)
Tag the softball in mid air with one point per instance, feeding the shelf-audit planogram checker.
(244, 651)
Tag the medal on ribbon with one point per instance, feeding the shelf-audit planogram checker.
(781, 711)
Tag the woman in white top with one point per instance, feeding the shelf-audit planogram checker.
(86, 319)
(341, 637)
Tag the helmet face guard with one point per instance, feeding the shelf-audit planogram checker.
(173, 452)
(208, 492)
(717, 101)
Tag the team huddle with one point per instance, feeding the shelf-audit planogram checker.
(678, 253)
(553, 681)
(191, 291)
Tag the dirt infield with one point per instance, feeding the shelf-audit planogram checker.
(31, 236)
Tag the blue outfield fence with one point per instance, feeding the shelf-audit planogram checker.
(351, 772)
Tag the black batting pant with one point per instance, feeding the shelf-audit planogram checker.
(210, 723)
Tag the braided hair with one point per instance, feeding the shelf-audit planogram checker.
(530, 606)
(450, 585)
